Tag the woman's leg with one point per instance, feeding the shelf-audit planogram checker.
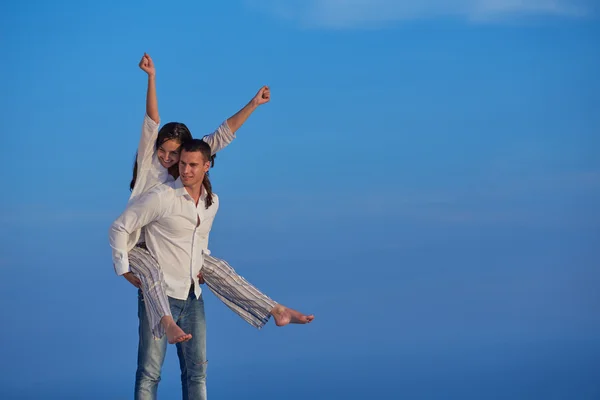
(146, 268)
(245, 299)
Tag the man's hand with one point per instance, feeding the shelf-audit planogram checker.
(133, 279)
(263, 96)
(147, 65)
(200, 278)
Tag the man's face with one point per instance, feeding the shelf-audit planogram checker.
(192, 167)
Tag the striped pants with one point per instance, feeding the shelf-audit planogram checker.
(238, 294)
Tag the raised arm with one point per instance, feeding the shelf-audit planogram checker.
(152, 119)
(225, 133)
(147, 145)
(147, 65)
(237, 120)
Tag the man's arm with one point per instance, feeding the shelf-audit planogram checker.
(139, 213)
(225, 134)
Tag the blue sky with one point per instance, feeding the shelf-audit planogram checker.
(425, 180)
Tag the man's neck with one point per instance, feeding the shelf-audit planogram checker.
(195, 192)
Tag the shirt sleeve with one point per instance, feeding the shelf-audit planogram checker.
(147, 143)
(220, 138)
(145, 159)
(146, 209)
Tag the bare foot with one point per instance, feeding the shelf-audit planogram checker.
(174, 333)
(284, 316)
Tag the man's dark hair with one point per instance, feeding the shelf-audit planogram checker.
(193, 145)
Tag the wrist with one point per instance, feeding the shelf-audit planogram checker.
(254, 103)
(152, 77)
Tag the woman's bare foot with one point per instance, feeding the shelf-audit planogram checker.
(283, 316)
(174, 333)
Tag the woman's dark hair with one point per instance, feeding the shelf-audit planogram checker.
(170, 131)
(204, 148)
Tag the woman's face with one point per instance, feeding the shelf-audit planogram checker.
(168, 153)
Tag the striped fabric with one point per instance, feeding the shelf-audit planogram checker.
(146, 268)
(233, 290)
(240, 296)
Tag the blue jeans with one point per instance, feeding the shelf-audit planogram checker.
(189, 315)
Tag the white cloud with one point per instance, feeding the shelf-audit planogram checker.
(351, 13)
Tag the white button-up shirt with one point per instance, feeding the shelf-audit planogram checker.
(176, 233)
(151, 173)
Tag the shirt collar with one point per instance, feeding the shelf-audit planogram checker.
(181, 191)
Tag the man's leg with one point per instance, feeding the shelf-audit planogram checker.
(192, 354)
(151, 355)
(245, 299)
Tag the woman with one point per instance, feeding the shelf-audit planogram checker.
(156, 162)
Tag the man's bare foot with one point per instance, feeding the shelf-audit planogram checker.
(284, 316)
(174, 333)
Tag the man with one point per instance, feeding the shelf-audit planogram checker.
(177, 218)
